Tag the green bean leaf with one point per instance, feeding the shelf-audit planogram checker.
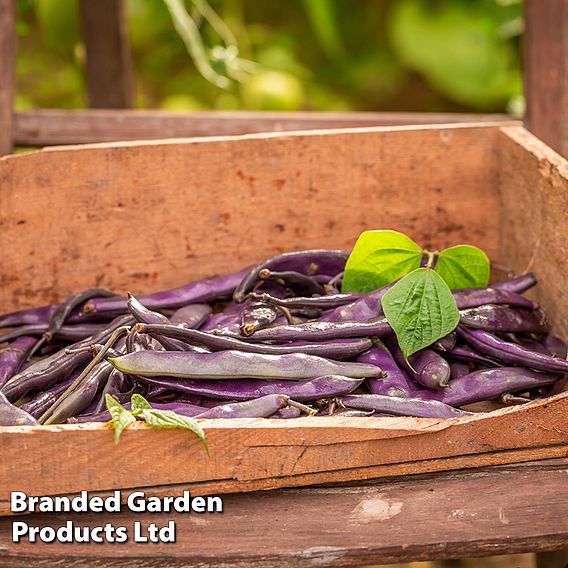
(170, 419)
(121, 418)
(379, 258)
(420, 309)
(138, 403)
(463, 266)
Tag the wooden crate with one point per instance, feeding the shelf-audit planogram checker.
(144, 216)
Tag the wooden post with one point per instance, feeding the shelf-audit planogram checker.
(546, 71)
(110, 79)
(7, 73)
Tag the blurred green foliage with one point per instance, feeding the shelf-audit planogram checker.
(406, 55)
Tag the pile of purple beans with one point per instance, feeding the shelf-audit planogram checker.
(275, 340)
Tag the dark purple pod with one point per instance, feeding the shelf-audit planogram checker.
(426, 367)
(13, 355)
(42, 400)
(79, 399)
(363, 309)
(333, 349)
(245, 389)
(317, 302)
(257, 315)
(402, 406)
(321, 331)
(465, 353)
(308, 262)
(257, 408)
(504, 319)
(10, 415)
(458, 369)
(447, 342)
(119, 386)
(56, 367)
(394, 381)
(67, 332)
(192, 316)
(234, 364)
(555, 346)
(229, 320)
(517, 285)
(199, 292)
(490, 383)
(511, 353)
(30, 316)
(299, 284)
(286, 413)
(475, 297)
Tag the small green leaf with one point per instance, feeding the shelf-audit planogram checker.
(121, 418)
(170, 419)
(420, 309)
(379, 258)
(463, 266)
(138, 403)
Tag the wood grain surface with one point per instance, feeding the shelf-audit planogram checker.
(144, 216)
(467, 513)
(48, 127)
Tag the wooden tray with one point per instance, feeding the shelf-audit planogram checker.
(143, 216)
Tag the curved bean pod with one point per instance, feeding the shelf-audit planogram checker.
(496, 318)
(12, 357)
(234, 364)
(318, 302)
(333, 349)
(257, 408)
(10, 415)
(42, 400)
(192, 316)
(517, 285)
(306, 262)
(245, 389)
(402, 406)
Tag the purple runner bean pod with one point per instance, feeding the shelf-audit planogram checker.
(363, 309)
(262, 407)
(30, 316)
(320, 331)
(42, 400)
(555, 346)
(511, 353)
(458, 369)
(317, 302)
(300, 283)
(517, 285)
(13, 355)
(399, 406)
(333, 349)
(306, 262)
(475, 297)
(245, 389)
(495, 318)
(489, 383)
(207, 290)
(234, 364)
(447, 342)
(287, 413)
(68, 332)
(255, 316)
(192, 316)
(465, 353)
(10, 415)
(394, 382)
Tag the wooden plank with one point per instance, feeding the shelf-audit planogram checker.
(110, 78)
(7, 73)
(546, 71)
(481, 513)
(51, 127)
(534, 194)
(52, 460)
(153, 215)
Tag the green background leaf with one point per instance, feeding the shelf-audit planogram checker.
(420, 309)
(121, 418)
(379, 258)
(463, 266)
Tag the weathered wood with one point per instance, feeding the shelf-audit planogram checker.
(110, 78)
(146, 216)
(51, 127)
(534, 197)
(466, 513)
(7, 73)
(546, 71)
(51, 460)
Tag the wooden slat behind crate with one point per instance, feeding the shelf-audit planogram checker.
(46, 127)
(7, 73)
(250, 454)
(467, 513)
(152, 215)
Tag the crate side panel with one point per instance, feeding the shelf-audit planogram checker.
(153, 215)
(534, 231)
